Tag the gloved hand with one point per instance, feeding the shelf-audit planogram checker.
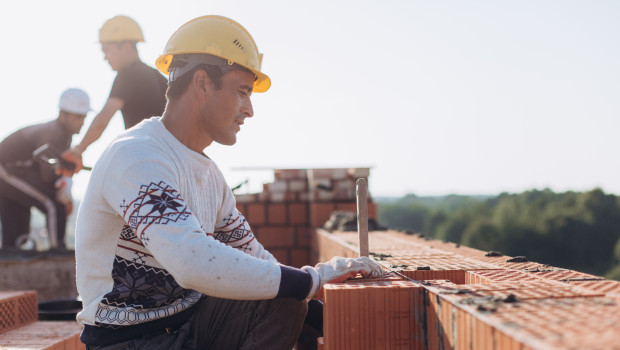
(63, 189)
(340, 269)
(73, 155)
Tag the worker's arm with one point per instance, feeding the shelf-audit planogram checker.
(142, 188)
(96, 128)
(233, 229)
(99, 124)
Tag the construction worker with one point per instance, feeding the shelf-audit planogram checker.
(138, 90)
(27, 182)
(164, 258)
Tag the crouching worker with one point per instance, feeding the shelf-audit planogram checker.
(27, 182)
(164, 259)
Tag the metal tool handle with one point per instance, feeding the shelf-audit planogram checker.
(362, 215)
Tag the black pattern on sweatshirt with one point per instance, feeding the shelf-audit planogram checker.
(142, 290)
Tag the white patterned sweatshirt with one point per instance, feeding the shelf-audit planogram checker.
(157, 229)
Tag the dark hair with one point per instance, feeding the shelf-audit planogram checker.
(132, 43)
(180, 84)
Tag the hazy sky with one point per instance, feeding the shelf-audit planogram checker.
(438, 97)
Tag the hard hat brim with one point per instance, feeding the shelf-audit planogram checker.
(261, 84)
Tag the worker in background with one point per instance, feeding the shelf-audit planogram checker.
(164, 258)
(26, 181)
(138, 90)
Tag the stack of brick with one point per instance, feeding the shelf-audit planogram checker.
(285, 215)
(457, 297)
(19, 328)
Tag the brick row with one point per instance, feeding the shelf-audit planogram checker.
(17, 309)
(52, 335)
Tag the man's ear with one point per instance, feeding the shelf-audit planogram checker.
(201, 83)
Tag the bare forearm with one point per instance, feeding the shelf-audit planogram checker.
(95, 130)
(101, 121)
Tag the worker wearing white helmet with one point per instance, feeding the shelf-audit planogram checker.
(138, 89)
(27, 181)
(164, 258)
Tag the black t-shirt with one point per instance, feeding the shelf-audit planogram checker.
(142, 89)
(18, 147)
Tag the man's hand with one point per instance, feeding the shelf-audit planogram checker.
(73, 155)
(339, 270)
(63, 189)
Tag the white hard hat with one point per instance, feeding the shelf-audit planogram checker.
(74, 101)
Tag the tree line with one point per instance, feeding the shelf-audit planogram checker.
(573, 230)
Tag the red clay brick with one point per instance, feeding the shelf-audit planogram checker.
(322, 196)
(305, 237)
(289, 174)
(281, 254)
(17, 308)
(300, 257)
(564, 275)
(276, 214)
(298, 185)
(493, 276)
(242, 208)
(278, 186)
(609, 287)
(501, 262)
(303, 197)
(256, 214)
(357, 173)
(276, 237)
(372, 210)
(298, 213)
(328, 173)
(54, 335)
(279, 197)
(320, 213)
(372, 315)
(330, 247)
(344, 195)
(246, 198)
(346, 206)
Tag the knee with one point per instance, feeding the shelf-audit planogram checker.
(296, 308)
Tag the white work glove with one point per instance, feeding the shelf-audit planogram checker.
(338, 270)
(63, 189)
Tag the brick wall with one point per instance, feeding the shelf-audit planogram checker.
(284, 216)
(449, 296)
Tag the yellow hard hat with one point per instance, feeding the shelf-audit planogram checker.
(120, 28)
(217, 36)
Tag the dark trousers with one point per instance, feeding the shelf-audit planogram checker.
(272, 324)
(20, 193)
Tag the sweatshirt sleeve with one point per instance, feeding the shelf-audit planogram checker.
(145, 194)
(233, 229)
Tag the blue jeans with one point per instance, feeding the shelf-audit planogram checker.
(229, 324)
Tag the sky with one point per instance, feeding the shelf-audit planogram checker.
(436, 97)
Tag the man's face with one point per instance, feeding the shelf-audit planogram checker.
(113, 53)
(72, 122)
(226, 109)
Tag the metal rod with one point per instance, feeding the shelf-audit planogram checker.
(362, 215)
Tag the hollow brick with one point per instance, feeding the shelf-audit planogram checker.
(256, 214)
(276, 214)
(281, 254)
(320, 213)
(298, 213)
(276, 237)
(300, 257)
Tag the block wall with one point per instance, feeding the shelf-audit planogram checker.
(454, 297)
(285, 215)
